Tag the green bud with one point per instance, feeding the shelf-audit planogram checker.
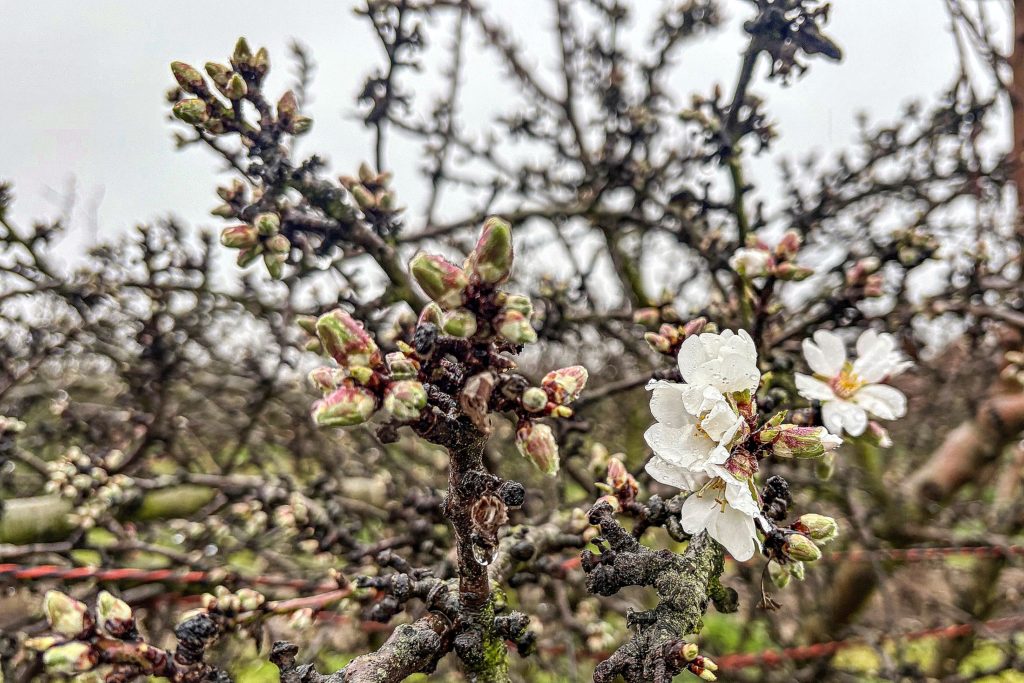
(405, 400)
(565, 385)
(235, 88)
(796, 570)
(794, 441)
(189, 79)
(192, 111)
(516, 327)
(278, 244)
(779, 575)
(491, 261)
(274, 263)
(518, 302)
(345, 339)
(249, 600)
(400, 366)
(261, 62)
(658, 342)
(819, 528)
(442, 281)
(40, 643)
(307, 323)
(364, 198)
(239, 237)
(366, 174)
(345, 407)
(302, 125)
(432, 314)
(246, 257)
(113, 615)
(800, 547)
(69, 658)
(219, 74)
(361, 374)
(268, 224)
(791, 272)
(224, 211)
(242, 55)
(287, 109)
(536, 443)
(689, 652)
(459, 323)
(534, 399)
(65, 615)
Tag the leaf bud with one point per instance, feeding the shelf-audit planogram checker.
(490, 262)
(442, 281)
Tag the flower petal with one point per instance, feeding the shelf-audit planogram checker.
(881, 400)
(697, 513)
(877, 357)
(691, 356)
(735, 531)
(672, 475)
(826, 354)
(667, 404)
(813, 389)
(680, 447)
(721, 423)
(843, 415)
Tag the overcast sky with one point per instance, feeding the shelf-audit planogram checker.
(83, 85)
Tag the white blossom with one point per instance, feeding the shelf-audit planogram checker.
(697, 427)
(850, 391)
(751, 261)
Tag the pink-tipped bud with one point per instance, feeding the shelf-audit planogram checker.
(788, 246)
(657, 342)
(790, 272)
(239, 237)
(878, 435)
(442, 281)
(536, 443)
(491, 261)
(344, 338)
(648, 317)
(793, 441)
(565, 384)
(405, 400)
(345, 407)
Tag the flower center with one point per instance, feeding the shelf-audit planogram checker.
(846, 383)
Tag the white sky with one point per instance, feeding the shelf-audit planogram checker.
(83, 85)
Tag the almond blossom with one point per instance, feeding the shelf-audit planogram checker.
(850, 391)
(698, 427)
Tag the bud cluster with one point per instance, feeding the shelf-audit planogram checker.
(374, 197)
(72, 647)
(864, 280)
(669, 338)
(261, 237)
(87, 483)
(757, 259)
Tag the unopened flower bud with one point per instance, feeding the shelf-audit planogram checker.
(113, 615)
(401, 367)
(695, 326)
(192, 111)
(491, 260)
(707, 675)
(239, 237)
(751, 262)
(301, 125)
(261, 62)
(800, 547)
(790, 272)
(432, 314)
(658, 342)
(818, 527)
(518, 302)
(219, 74)
(405, 400)
(287, 109)
(793, 441)
(877, 435)
(366, 173)
(189, 79)
(442, 281)
(274, 263)
(344, 338)
(40, 643)
(534, 399)
(648, 317)
(516, 327)
(69, 658)
(242, 56)
(267, 224)
(779, 575)
(565, 384)
(789, 245)
(364, 198)
(536, 443)
(345, 407)
(65, 615)
(248, 599)
(326, 379)
(459, 323)
(689, 651)
(825, 467)
(235, 88)
(278, 244)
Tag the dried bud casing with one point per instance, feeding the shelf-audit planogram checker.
(344, 338)
(239, 237)
(490, 262)
(65, 615)
(536, 442)
(432, 314)
(405, 400)
(442, 281)
(564, 385)
(345, 407)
